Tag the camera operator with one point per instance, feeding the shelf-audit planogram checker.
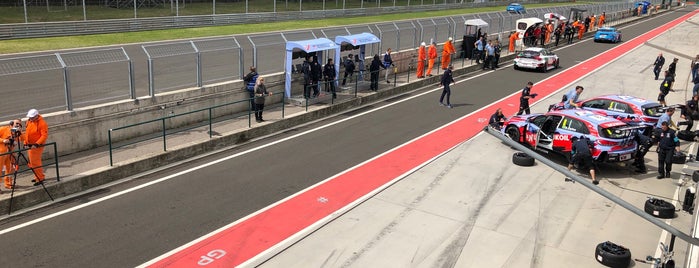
(34, 138)
(8, 135)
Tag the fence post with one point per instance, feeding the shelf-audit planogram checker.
(211, 129)
(164, 134)
(55, 154)
(109, 140)
(66, 83)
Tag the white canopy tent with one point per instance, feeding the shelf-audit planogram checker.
(360, 40)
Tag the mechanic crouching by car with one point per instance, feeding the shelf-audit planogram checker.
(497, 119)
(643, 144)
(668, 144)
(581, 156)
(571, 98)
(690, 112)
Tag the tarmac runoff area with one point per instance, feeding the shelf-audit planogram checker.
(472, 207)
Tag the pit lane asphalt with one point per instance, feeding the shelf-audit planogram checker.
(141, 225)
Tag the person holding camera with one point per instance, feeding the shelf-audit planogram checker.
(8, 136)
(34, 138)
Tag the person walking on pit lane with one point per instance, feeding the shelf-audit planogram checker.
(497, 119)
(260, 94)
(668, 144)
(658, 65)
(374, 69)
(572, 98)
(34, 138)
(524, 99)
(447, 79)
(665, 88)
(671, 70)
(8, 138)
(479, 45)
(581, 155)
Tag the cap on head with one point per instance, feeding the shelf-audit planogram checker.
(32, 113)
(423, 44)
(450, 39)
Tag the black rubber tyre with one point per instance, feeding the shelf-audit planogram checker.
(695, 176)
(659, 208)
(522, 159)
(515, 66)
(546, 67)
(612, 255)
(557, 64)
(513, 132)
(686, 135)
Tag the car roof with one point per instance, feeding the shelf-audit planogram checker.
(591, 117)
(515, 4)
(607, 29)
(535, 49)
(628, 99)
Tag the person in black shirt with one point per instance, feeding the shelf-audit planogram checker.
(497, 119)
(658, 65)
(690, 112)
(581, 156)
(524, 99)
(329, 74)
(349, 69)
(671, 70)
(643, 144)
(307, 80)
(316, 75)
(374, 69)
(447, 79)
(665, 88)
(668, 144)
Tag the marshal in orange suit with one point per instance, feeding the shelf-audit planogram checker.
(34, 138)
(447, 51)
(421, 57)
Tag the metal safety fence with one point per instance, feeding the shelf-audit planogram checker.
(69, 80)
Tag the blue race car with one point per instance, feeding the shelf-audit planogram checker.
(516, 8)
(608, 34)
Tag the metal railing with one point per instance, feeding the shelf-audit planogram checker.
(165, 130)
(24, 168)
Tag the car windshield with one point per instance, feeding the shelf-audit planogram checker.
(618, 132)
(653, 109)
(528, 54)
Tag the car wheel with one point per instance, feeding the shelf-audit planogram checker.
(612, 255)
(515, 66)
(557, 64)
(546, 67)
(513, 133)
(522, 159)
(659, 208)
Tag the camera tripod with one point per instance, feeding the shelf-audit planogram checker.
(15, 157)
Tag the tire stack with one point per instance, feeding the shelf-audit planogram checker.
(659, 208)
(612, 255)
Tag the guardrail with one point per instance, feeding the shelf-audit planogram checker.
(48, 29)
(15, 155)
(164, 128)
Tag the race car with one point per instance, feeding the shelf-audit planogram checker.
(515, 8)
(536, 58)
(554, 132)
(607, 34)
(630, 109)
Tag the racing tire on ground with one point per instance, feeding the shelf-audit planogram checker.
(686, 135)
(659, 208)
(522, 159)
(612, 255)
